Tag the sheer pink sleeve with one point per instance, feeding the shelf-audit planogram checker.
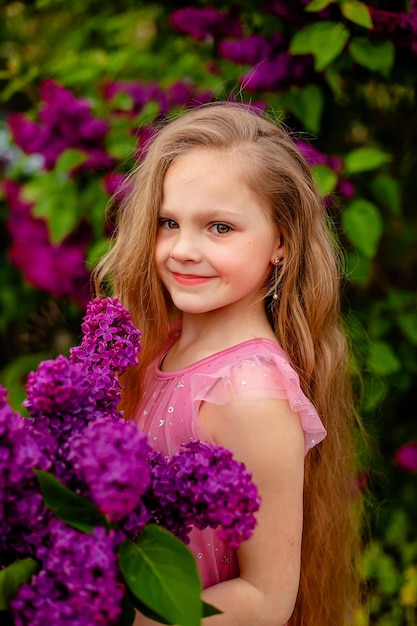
(259, 377)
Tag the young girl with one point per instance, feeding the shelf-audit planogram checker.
(224, 259)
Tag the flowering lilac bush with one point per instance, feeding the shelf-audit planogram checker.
(80, 486)
(180, 502)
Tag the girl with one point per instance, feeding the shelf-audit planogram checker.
(224, 259)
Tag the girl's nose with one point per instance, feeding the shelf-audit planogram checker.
(185, 247)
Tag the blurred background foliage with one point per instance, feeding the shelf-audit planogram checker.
(80, 84)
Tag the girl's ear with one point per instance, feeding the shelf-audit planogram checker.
(278, 251)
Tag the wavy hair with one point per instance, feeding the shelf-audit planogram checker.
(306, 319)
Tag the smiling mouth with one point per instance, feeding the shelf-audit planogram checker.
(190, 279)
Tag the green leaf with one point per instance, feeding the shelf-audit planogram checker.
(377, 56)
(68, 160)
(34, 190)
(324, 40)
(209, 610)
(55, 199)
(13, 576)
(161, 572)
(63, 215)
(408, 324)
(127, 616)
(325, 179)
(387, 192)
(307, 104)
(358, 268)
(382, 360)
(363, 225)
(365, 159)
(318, 5)
(96, 252)
(71, 508)
(357, 12)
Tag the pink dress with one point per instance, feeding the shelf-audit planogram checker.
(168, 413)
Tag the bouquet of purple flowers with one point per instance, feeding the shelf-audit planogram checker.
(93, 521)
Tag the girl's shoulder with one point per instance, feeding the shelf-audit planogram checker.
(252, 370)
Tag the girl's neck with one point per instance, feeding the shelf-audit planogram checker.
(208, 333)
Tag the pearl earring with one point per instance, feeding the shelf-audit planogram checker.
(277, 261)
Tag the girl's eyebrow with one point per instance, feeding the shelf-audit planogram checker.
(216, 214)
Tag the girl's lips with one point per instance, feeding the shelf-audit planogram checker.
(190, 279)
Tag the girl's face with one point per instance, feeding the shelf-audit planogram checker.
(215, 243)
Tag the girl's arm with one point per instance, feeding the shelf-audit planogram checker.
(267, 436)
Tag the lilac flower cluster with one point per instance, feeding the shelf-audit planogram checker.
(272, 66)
(406, 456)
(76, 432)
(117, 473)
(64, 122)
(400, 27)
(22, 512)
(207, 23)
(313, 156)
(110, 345)
(59, 269)
(78, 583)
(229, 499)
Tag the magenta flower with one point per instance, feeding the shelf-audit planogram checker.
(406, 457)
(278, 72)
(181, 93)
(78, 583)
(110, 345)
(400, 27)
(64, 122)
(110, 457)
(248, 51)
(59, 269)
(60, 396)
(116, 184)
(313, 156)
(140, 92)
(203, 485)
(206, 24)
(23, 517)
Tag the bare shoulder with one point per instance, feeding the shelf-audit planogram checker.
(267, 424)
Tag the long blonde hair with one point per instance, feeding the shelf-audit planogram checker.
(306, 319)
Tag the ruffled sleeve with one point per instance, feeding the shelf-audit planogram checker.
(257, 377)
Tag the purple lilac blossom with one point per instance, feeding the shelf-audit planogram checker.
(182, 93)
(23, 517)
(78, 584)
(140, 92)
(110, 340)
(294, 12)
(206, 24)
(110, 456)
(59, 269)
(248, 51)
(313, 156)
(64, 122)
(109, 346)
(203, 485)
(116, 185)
(278, 72)
(406, 457)
(400, 27)
(60, 396)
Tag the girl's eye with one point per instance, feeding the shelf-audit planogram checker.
(170, 224)
(221, 229)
